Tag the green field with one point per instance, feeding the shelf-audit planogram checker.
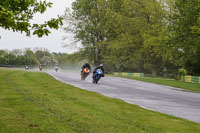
(195, 87)
(32, 102)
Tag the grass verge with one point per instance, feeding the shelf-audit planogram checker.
(33, 102)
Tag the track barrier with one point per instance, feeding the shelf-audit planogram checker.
(128, 74)
(190, 79)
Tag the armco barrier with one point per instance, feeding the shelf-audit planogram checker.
(190, 79)
(128, 74)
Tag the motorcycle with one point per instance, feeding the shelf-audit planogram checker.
(40, 68)
(97, 76)
(56, 69)
(85, 73)
(26, 67)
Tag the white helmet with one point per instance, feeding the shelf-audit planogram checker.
(101, 65)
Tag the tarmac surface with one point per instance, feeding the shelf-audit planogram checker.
(160, 98)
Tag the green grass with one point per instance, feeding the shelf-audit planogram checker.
(195, 87)
(33, 102)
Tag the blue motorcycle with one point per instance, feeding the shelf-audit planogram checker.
(97, 76)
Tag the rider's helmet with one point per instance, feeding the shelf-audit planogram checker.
(101, 65)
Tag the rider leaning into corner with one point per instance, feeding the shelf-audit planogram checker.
(56, 67)
(98, 67)
(40, 67)
(26, 67)
(86, 65)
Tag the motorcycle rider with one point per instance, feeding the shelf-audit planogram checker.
(99, 67)
(56, 67)
(26, 67)
(86, 65)
(40, 67)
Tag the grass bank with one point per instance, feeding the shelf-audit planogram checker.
(195, 87)
(33, 102)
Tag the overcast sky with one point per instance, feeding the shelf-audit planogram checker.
(54, 43)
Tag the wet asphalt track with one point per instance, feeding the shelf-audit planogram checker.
(164, 99)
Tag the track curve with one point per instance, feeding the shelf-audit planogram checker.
(161, 98)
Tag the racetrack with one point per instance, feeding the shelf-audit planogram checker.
(164, 99)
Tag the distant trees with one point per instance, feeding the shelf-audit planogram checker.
(32, 58)
(18, 57)
(148, 36)
(11, 58)
(44, 56)
(70, 61)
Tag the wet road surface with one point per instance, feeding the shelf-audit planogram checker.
(164, 99)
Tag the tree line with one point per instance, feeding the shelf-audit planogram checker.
(149, 36)
(33, 58)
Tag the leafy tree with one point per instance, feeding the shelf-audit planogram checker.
(30, 58)
(9, 59)
(44, 57)
(156, 49)
(16, 52)
(88, 21)
(138, 36)
(140, 39)
(125, 35)
(16, 15)
(71, 61)
(20, 61)
(2, 59)
(186, 33)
